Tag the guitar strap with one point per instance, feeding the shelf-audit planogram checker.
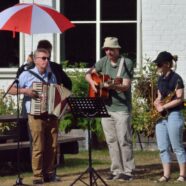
(120, 66)
(123, 65)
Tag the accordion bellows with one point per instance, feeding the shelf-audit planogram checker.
(52, 99)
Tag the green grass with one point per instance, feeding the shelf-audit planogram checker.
(148, 169)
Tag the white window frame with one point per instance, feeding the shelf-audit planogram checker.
(10, 72)
(98, 23)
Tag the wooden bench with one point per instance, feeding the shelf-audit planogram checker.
(67, 143)
(26, 144)
(8, 150)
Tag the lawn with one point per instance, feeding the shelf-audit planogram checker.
(148, 169)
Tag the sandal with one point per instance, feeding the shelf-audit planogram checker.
(163, 179)
(181, 179)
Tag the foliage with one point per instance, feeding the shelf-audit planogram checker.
(184, 113)
(144, 93)
(68, 64)
(7, 107)
(80, 89)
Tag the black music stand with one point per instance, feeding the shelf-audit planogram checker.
(88, 107)
(19, 179)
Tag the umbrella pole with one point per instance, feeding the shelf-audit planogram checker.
(32, 41)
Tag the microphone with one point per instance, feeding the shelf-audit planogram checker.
(24, 67)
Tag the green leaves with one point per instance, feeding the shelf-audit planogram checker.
(143, 95)
(7, 107)
(80, 89)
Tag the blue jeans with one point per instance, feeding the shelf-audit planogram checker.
(169, 132)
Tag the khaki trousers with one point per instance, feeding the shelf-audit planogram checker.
(118, 136)
(44, 132)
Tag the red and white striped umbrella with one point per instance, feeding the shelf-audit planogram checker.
(32, 18)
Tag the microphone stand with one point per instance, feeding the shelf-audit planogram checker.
(16, 81)
(19, 179)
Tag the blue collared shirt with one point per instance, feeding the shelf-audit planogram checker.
(26, 79)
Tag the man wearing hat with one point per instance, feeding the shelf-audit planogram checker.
(117, 127)
(169, 130)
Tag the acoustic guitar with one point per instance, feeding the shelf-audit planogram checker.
(101, 81)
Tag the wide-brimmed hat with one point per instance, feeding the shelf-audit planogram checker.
(163, 57)
(111, 42)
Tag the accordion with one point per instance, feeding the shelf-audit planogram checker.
(51, 99)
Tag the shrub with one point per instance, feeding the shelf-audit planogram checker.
(143, 96)
(144, 93)
(80, 89)
(7, 107)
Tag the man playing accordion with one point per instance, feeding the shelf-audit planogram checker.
(43, 127)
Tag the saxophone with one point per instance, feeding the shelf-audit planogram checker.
(155, 116)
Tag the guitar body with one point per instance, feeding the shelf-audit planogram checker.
(100, 80)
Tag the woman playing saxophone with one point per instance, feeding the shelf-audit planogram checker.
(169, 130)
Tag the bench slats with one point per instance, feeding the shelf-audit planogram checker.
(26, 144)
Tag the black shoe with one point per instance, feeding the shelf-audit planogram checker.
(52, 178)
(124, 177)
(55, 179)
(46, 179)
(110, 177)
(37, 181)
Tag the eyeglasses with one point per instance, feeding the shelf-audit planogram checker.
(44, 58)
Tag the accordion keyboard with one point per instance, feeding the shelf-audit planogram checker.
(39, 105)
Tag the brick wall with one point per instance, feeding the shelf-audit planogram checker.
(164, 28)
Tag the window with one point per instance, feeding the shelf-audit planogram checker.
(95, 20)
(80, 44)
(9, 47)
(118, 10)
(80, 10)
(126, 34)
